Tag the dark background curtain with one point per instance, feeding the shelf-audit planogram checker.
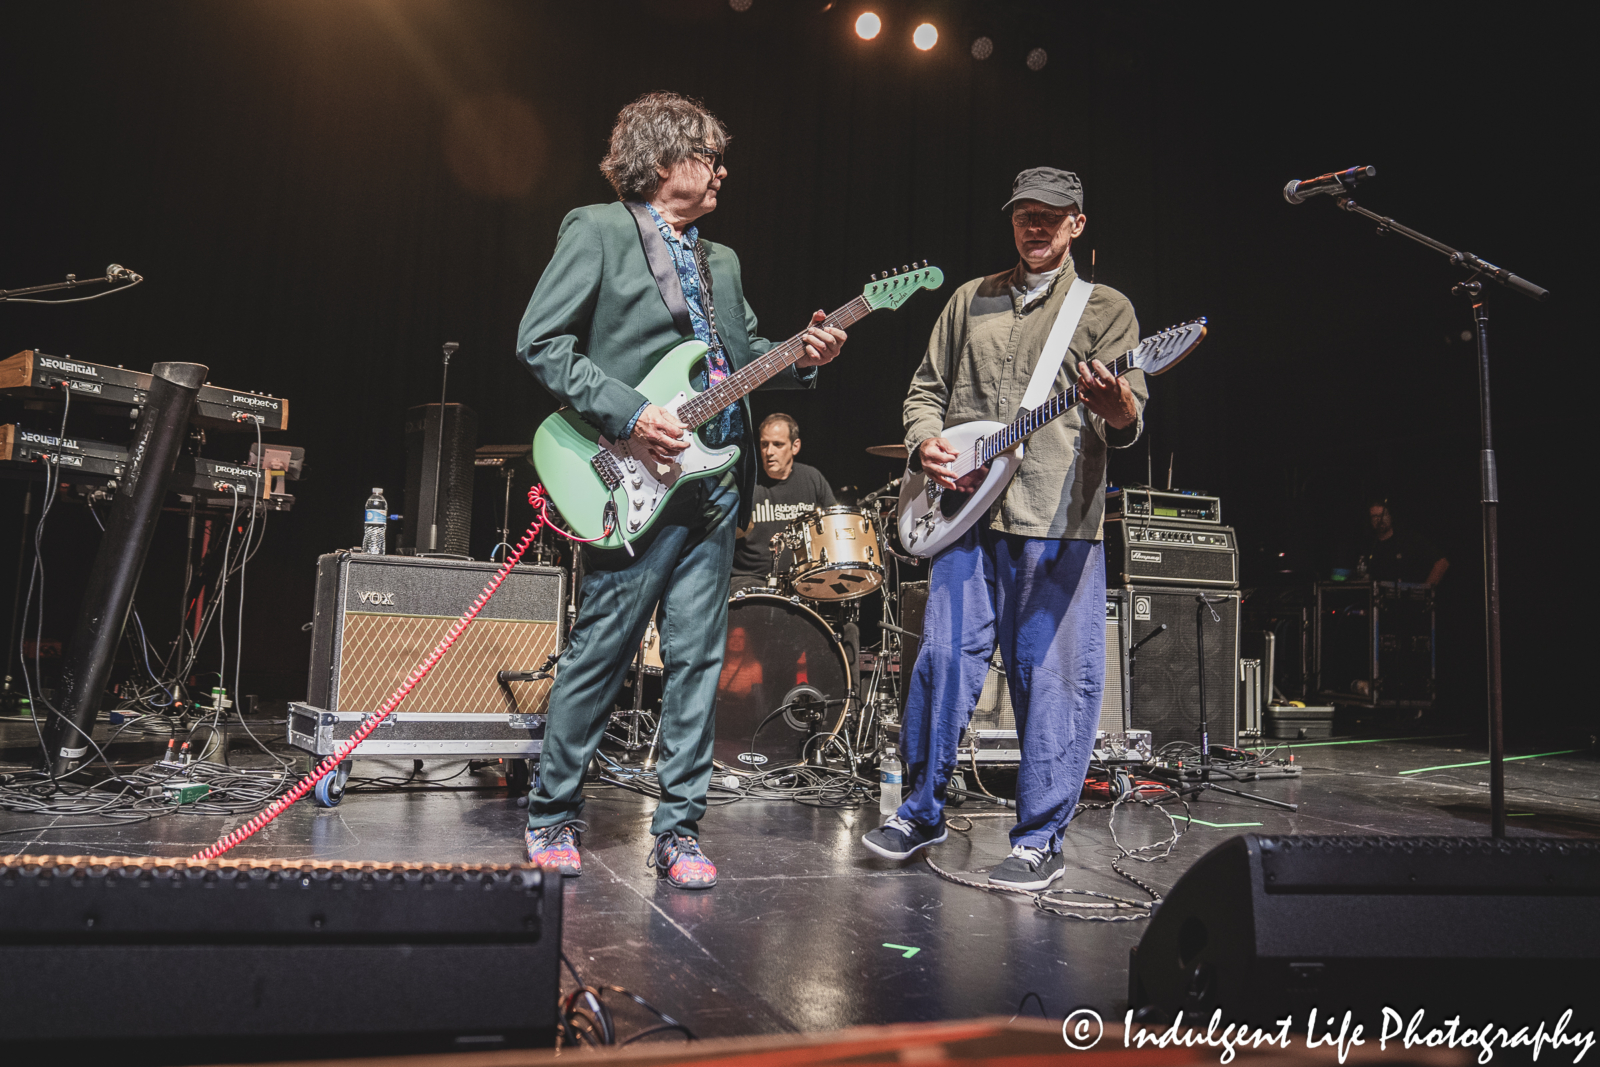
(321, 193)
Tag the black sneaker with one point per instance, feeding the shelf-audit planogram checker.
(1028, 868)
(899, 839)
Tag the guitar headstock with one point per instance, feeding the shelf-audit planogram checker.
(1160, 352)
(896, 286)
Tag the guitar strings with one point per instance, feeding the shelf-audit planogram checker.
(705, 406)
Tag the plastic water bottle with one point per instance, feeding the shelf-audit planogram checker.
(375, 533)
(889, 782)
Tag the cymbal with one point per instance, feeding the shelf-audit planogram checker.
(888, 451)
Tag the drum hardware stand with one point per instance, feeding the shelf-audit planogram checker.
(1205, 784)
(1472, 288)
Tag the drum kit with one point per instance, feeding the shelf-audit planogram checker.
(796, 684)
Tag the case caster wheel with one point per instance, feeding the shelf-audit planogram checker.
(519, 776)
(956, 800)
(329, 790)
(1121, 786)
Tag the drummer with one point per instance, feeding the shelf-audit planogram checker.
(787, 491)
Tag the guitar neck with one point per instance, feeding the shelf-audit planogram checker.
(1031, 421)
(703, 408)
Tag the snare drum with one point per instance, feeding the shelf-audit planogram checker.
(779, 652)
(837, 554)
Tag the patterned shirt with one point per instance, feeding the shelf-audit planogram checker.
(728, 426)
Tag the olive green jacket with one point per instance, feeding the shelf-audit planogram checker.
(597, 324)
(978, 364)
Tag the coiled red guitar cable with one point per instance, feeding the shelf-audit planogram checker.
(540, 502)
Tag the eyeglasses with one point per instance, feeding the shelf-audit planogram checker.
(714, 155)
(1047, 219)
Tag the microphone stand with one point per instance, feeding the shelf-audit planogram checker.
(1472, 288)
(1202, 605)
(438, 450)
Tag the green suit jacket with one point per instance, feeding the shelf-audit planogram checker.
(596, 325)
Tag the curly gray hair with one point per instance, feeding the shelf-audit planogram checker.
(656, 130)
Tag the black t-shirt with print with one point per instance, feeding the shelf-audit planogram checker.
(776, 506)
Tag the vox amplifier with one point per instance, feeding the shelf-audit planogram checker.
(377, 617)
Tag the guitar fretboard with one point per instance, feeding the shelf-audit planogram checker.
(985, 449)
(703, 408)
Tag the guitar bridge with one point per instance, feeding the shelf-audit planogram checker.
(605, 465)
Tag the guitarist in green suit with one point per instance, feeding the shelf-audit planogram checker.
(627, 282)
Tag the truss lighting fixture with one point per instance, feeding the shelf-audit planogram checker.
(1037, 59)
(982, 48)
(925, 36)
(739, 5)
(868, 25)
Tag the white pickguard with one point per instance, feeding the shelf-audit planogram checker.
(647, 483)
(925, 530)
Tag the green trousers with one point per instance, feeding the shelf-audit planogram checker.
(684, 564)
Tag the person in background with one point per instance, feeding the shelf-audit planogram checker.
(790, 490)
(1399, 555)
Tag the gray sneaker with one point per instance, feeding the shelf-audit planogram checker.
(1028, 868)
(899, 839)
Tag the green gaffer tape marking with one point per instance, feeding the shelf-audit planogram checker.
(905, 950)
(1368, 740)
(1484, 762)
(1222, 825)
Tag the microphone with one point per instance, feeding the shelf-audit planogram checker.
(118, 273)
(1337, 182)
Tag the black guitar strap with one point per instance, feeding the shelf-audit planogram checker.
(662, 268)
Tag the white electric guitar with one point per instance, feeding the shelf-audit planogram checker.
(933, 518)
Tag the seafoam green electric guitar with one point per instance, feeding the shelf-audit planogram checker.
(612, 491)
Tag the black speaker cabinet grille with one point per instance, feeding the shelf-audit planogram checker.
(453, 509)
(1166, 689)
(379, 616)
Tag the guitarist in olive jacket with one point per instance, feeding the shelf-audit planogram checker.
(627, 282)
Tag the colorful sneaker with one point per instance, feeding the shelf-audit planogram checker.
(678, 859)
(899, 839)
(1028, 868)
(557, 846)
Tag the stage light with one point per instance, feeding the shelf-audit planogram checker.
(868, 25)
(982, 48)
(1037, 59)
(739, 5)
(925, 36)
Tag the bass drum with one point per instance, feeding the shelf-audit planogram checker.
(779, 652)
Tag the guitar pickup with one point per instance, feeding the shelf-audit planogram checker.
(605, 465)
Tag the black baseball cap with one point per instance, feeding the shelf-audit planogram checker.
(1058, 188)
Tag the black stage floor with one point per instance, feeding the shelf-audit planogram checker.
(795, 937)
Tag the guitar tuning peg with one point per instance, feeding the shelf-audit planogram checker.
(903, 267)
(874, 277)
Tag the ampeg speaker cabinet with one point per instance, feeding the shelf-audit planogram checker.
(1373, 644)
(1165, 686)
(379, 616)
(452, 509)
(994, 725)
(913, 605)
(1264, 927)
(1181, 553)
(144, 960)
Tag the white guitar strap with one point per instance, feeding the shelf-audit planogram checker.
(1055, 346)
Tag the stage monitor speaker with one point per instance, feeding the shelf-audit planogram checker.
(165, 961)
(452, 510)
(1165, 688)
(1267, 927)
